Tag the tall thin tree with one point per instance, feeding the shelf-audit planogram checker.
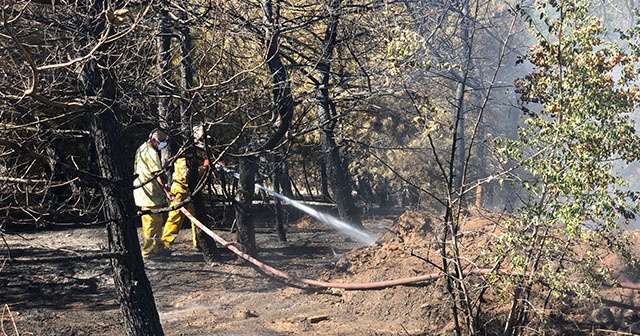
(132, 285)
(282, 112)
(339, 180)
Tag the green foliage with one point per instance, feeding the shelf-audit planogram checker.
(579, 99)
(406, 47)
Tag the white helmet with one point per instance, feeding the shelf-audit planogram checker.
(198, 132)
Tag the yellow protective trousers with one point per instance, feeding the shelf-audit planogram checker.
(176, 217)
(151, 232)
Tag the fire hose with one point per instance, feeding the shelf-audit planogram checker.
(351, 286)
(273, 271)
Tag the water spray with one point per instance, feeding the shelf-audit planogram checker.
(353, 232)
(350, 286)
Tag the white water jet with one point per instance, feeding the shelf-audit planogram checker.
(359, 235)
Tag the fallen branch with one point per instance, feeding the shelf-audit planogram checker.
(60, 259)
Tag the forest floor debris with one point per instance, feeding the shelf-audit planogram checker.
(232, 298)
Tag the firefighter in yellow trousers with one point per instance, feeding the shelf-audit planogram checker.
(180, 189)
(148, 194)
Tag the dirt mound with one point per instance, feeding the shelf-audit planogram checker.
(399, 251)
(411, 247)
(406, 249)
(615, 263)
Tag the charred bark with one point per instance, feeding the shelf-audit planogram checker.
(281, 175)
(282, 100)
(337, 174)
(244, 196)
(165, 116)
(206, 244)
(132, 285)
(278, 178)
(282, 113)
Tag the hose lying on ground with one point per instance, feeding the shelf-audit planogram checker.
(361, 286)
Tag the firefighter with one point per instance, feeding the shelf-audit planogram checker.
(180, 189)
(148, 194)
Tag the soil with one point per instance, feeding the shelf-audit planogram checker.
(233, 298)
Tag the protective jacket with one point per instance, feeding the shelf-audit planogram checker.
(146, 164)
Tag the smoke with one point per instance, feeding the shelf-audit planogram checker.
(630, 172)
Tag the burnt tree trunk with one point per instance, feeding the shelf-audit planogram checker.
(284, 179)
(282, 113)
(337, 174)
(163, 82)
(132, 285)
(246, 231)
(206, 244)
(278, 178)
